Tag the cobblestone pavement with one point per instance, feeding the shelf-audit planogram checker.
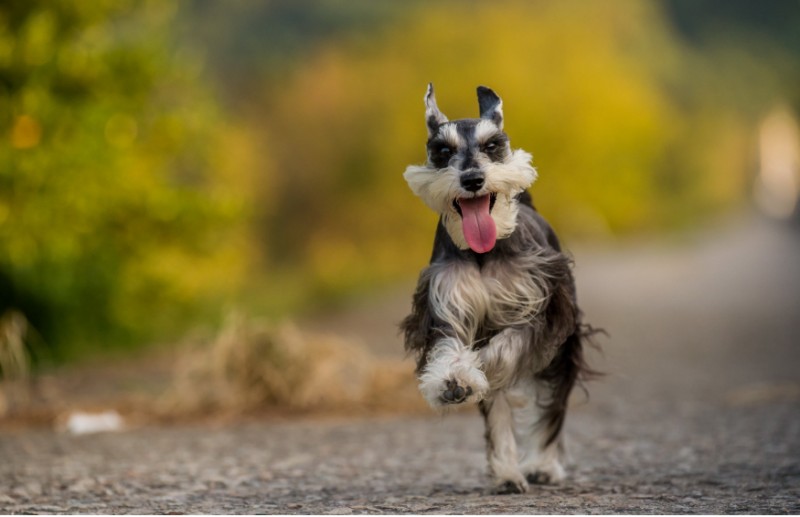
(700, 413)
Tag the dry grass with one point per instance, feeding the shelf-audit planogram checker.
(249, 368)
(251, 365)
(14, 362)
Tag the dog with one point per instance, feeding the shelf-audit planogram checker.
(494, 316)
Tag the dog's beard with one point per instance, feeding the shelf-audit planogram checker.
(475, 222)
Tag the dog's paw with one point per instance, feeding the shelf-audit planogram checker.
(547, 475)
(511, 486)
(453, 376)
(455, 393)
(539, 478)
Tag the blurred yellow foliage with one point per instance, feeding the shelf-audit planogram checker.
(26, 132)
(596, 91)
(134, 201)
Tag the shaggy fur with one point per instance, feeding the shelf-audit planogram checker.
(498, 326)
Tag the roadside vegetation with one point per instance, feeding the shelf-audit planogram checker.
(162, 163)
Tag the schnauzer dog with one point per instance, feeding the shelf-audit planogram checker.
(494, 317)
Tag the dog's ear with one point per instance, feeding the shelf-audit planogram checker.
(491, 105)
(433, 117)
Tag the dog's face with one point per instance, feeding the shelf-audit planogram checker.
(472, 175)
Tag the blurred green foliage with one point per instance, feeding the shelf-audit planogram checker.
(160, 160)
(116, 218)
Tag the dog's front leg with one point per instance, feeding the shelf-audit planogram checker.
(452, 375)
(501, 357)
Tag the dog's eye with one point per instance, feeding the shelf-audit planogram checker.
(490, 146)
(495, 149)
(440, 154)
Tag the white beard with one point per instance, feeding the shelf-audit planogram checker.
(439, 187)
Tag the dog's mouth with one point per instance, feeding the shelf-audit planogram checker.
(457, 202)
(477, 224)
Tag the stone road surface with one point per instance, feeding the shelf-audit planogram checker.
(700, 413)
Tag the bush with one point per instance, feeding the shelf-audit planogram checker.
(115, 215)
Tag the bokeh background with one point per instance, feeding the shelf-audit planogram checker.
(181, 168)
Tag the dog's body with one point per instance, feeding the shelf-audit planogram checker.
(494, 317)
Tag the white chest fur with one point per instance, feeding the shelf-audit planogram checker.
(501, 294)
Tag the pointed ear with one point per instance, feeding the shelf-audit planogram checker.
(433, 117)
(491, 105)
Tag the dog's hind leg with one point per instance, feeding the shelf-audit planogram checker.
(540, 407)
(501, 446)
(540, 445)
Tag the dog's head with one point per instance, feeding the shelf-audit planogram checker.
(472, 176)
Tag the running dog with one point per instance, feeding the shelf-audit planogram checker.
(494, 317)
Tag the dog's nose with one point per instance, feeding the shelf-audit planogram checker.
(472, 181)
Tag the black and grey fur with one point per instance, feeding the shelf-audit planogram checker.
(500, 327)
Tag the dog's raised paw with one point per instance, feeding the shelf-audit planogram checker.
(510, 487)
(452, 375)
(455, 393)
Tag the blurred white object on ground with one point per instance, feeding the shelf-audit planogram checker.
(79, 422)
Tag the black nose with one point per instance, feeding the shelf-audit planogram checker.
(472, 181)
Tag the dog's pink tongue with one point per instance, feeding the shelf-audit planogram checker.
(478, 225)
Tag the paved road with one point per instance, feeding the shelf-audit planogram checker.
(700, 413)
